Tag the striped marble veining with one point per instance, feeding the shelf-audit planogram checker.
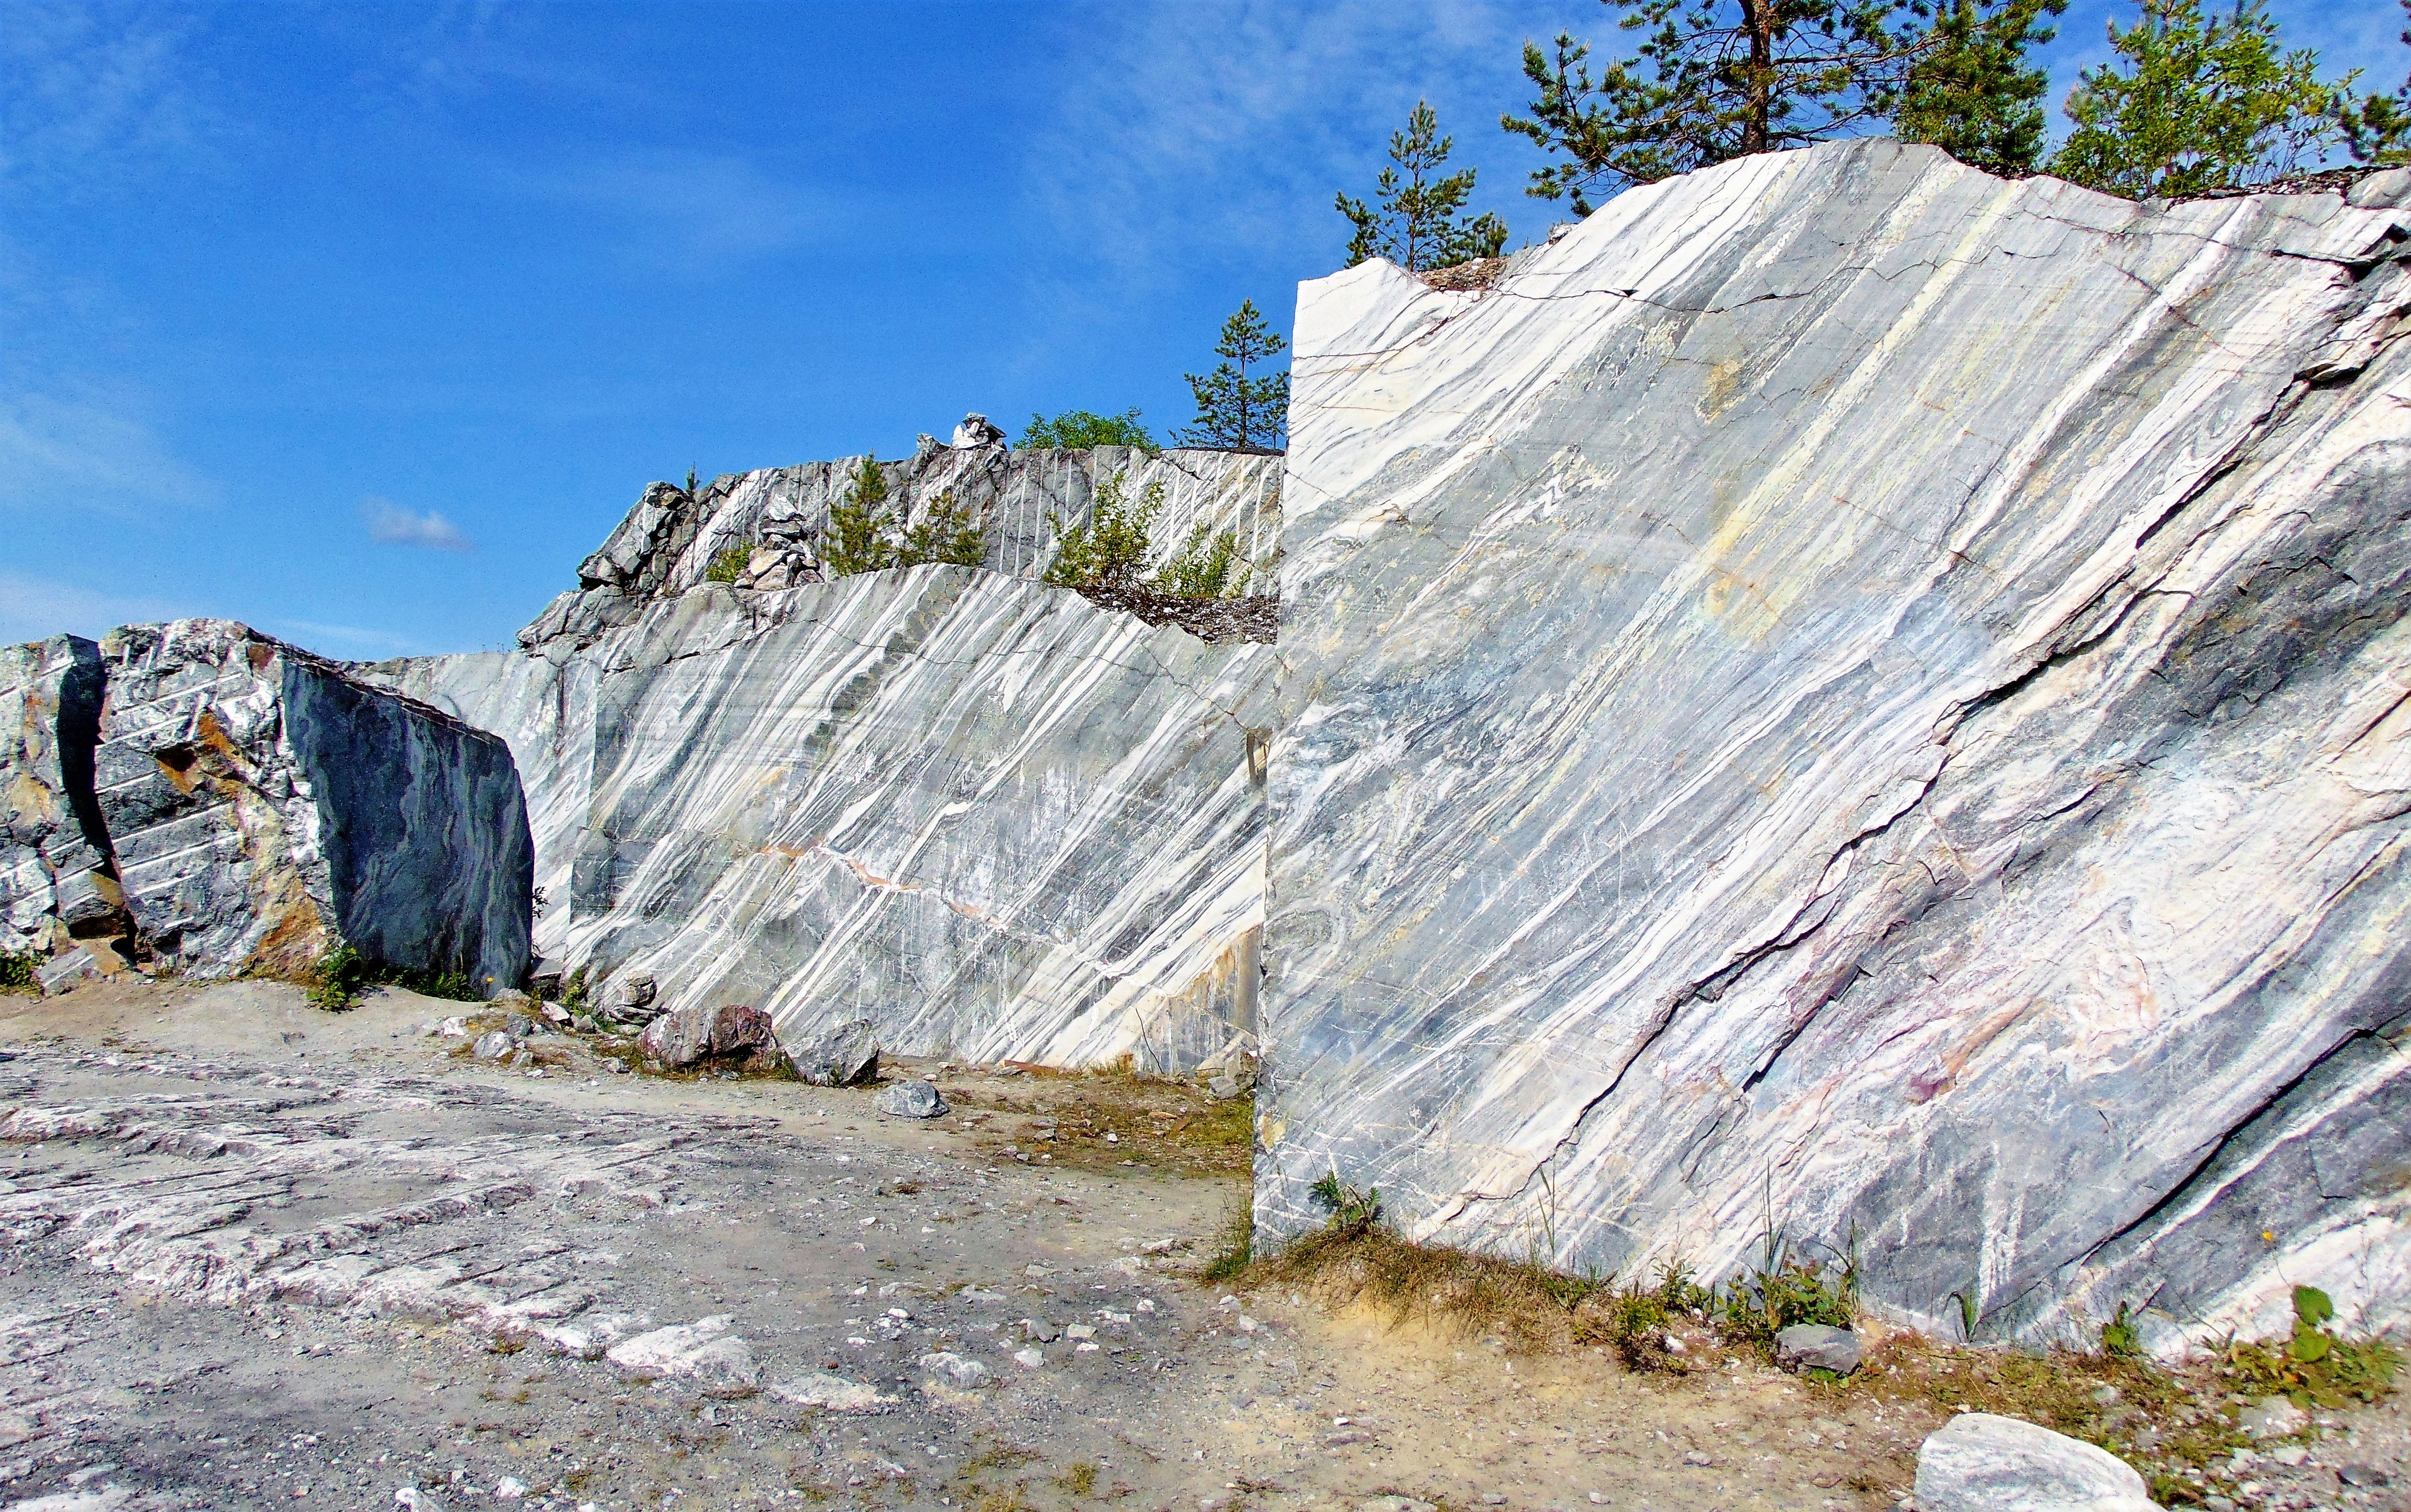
(1848, 694)
(999, 822)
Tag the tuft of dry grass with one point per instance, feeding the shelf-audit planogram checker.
(1534, 1309)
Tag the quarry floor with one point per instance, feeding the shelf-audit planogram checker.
(175, 1155)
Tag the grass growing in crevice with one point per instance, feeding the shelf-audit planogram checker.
(343, 973)
(17, 972)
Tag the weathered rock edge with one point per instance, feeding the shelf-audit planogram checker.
(1848, 693)
(211, 800)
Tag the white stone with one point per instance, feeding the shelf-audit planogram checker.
(1979, 1462)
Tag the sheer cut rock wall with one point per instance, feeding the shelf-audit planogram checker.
(995, 820)
(214, 802)
(1851, 693)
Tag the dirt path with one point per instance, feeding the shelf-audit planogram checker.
(254, 1255)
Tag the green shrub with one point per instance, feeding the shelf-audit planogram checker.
(17, 971)
(2119, 1337)
(947, 533)
(1785, 1289)
(1110, 550)
(2314, 1366)
(1205, 567)
(1078, 430)
(728, 564)
(343, 973)
(857, 533)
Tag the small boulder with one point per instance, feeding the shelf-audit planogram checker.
(1816, 1347)
(2271, 1417)
(955, 1371)
(910, 1099)
(519, 1026)
(691, 1034)
(635, 990)
(843, 1056)
(1979, 1462)
(494, 1045)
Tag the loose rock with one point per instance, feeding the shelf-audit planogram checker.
(692, 1034)
(954, 1371)
(1816, 1346)
(1981, 1462)
(494, 1045)
(910, 1099)
(846, 1054)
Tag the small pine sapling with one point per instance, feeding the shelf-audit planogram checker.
(857, 530)
(947, 532)
(1206, 566)
(1110, 549)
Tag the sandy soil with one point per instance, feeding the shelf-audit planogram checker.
(254, 1254)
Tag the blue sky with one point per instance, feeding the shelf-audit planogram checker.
(363, 323)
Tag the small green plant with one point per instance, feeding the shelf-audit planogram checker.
(1078, 430)
(947, 531)
(690, 483)
(1238, 1245)
(1205, 567)
(858, 525)
(341, 974)
(2314, 1366)
(574, 991)
(1785, 1289)
(17, 971)
(1079, 1480)
(728, 564)
(1110, 549)
(1353, 1210)
(2119, 1338)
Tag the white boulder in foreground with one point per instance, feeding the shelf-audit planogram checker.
(1979, 1462)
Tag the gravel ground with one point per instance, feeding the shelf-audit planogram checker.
(254, 1255)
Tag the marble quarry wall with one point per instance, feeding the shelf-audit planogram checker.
(1846, 693)
(997, 821)
(216, 803)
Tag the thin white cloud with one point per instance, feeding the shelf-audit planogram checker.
(34, 608)
(690, 211)
(99, 96)
(397, 525)
(95, 447)
(1191, 126)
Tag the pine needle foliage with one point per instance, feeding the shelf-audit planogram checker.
(1715, 80)
(1110, 549)
(858, 526)
(1972, 91)
(728, 564)
(2196, 103)
(1079, 430)
(947, 531)
(1417, 218)
(1236, 412)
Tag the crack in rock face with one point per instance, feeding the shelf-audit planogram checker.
(1847, 695)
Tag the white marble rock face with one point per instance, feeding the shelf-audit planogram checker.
(1849, 693)
(989, 816)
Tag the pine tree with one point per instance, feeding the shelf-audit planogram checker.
(2377, 128)
(1971, 91)
(1110, 549)
(1416, 221)
(1236, 412)
(1715, 80)
(2201, 104)
(947, 532)
(857, 527)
